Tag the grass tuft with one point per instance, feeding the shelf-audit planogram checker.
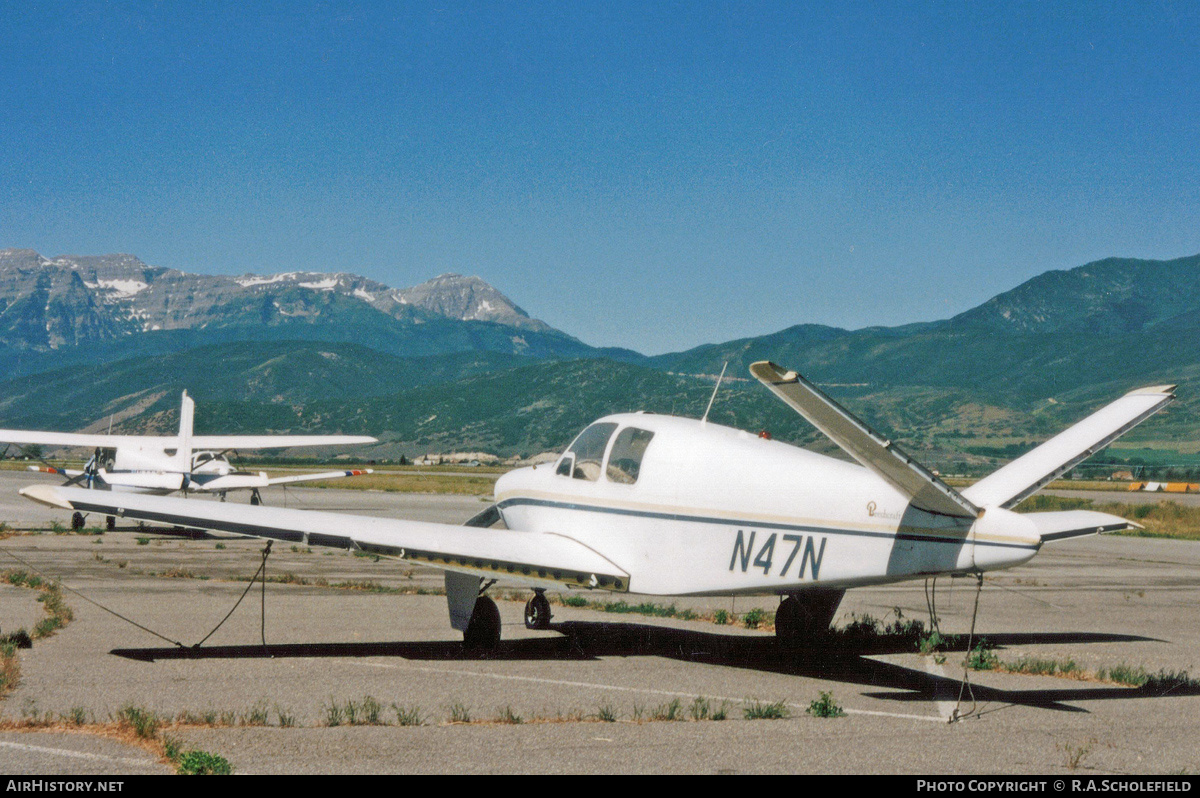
(758, 710)
(202, 763)
(409, 716)
(672, 710)
(142, 722)
(825, 707)
(982, 657)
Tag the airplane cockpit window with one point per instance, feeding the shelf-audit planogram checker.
(582, 460)
(628, 449)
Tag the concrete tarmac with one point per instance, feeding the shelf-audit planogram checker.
(333, 651)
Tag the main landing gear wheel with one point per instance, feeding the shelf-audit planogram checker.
(537, 612)
(255, 497)
(77, 521)
(483, 630)
(110, 523)
(804, 618)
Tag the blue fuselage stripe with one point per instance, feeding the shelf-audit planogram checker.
(701, 519)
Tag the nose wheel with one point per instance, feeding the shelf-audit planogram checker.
(537, 611)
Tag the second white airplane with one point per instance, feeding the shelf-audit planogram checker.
(673, 506)
(163, 464)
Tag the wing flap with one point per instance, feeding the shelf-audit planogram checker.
(533, 557)
(924, 489)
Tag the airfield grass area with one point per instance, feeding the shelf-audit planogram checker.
(407, 482)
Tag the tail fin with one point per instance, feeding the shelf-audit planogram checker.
(187, 412)
(1032, 471)
(925, 489)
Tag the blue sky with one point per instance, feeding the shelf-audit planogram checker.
(650, 175)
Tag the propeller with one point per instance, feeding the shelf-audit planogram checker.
(91, 471)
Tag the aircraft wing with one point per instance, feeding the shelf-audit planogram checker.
(924, 489)
(323, 475)
(62, 472)
(222, 442)
(81, 439)
(535, 558)
(219, 442)
(246, 480)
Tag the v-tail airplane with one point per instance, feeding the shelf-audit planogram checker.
(670, 506)
(163, 464)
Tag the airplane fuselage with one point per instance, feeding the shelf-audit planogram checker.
(713, 510)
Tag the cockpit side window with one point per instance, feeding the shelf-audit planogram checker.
(625, 461)
(585, 455)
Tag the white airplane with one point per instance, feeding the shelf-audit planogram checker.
(673, 506)
(162, 464)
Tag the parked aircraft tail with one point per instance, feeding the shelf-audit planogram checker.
(1006, 487)
(187, 414)
(1032, 471)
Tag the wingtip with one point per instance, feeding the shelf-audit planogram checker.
(767, 372)
(46, 494)
(1152, 390)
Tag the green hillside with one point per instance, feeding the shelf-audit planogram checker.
(962, 393)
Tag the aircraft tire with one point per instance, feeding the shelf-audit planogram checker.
(483, 630)
(537, 612)
(77, 521)
(787, 622)
(110, 523)
(804, 618)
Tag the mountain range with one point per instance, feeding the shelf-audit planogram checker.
(453, 363)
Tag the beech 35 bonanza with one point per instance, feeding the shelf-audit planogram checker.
(673, 506)
(162, 464)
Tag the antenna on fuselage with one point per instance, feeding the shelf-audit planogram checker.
(716, 388)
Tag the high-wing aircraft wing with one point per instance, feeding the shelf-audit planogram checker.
(220, 442)
(274, 441)
(80, 439)
(535, 558)
(925, 490)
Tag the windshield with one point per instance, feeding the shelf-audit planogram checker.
(582, 460)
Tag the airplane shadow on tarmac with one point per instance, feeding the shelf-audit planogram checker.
(592, 640)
